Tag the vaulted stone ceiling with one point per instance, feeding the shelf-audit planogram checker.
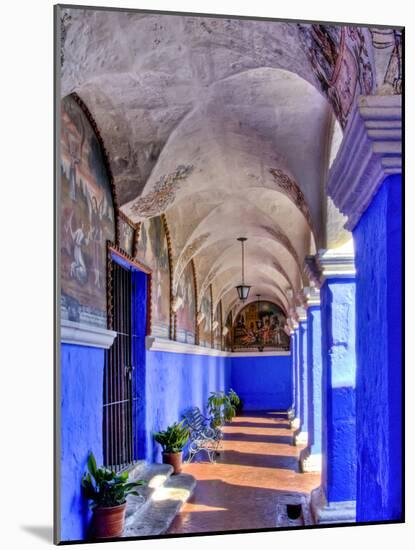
(223, 124)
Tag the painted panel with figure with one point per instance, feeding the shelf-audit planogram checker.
(217, 327)
(127, 233)
(205, 327)
(87, 219)
(186, 314)
(260, 325)
(152, 251)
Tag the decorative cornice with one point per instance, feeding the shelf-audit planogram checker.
(370, 151)
(171, 346)
(337, 264)
(86, 335)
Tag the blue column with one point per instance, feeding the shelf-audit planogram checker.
(378, 245)
(311, 456)
(295, 422)
(301, 436)
(338, 396)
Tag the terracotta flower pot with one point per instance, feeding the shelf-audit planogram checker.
(109, 522)
(175, 460)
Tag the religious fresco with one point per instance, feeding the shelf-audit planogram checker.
(260, 325)
(186, 315)
(228, 335)
(87, 219)
(152, 251)
(388, 43)
(340, 59)
(126, 235)
(217, 330)
(205, 327)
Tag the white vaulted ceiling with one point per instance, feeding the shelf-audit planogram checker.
(221, 125)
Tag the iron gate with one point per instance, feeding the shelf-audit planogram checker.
(120, 377)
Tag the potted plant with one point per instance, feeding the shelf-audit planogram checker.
(235, 400)
(222, 407)
(173, 440)
(107, 492)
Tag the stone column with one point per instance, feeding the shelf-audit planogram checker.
(301, 435)
(365, 184)
(335, 502)
(311, 457)
(295, 420)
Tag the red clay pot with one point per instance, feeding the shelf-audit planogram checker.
(109, 522)
(175, 460)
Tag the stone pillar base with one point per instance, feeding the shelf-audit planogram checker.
(301, 438)
(331, 512)
(290, 414)
(295, 423)
(310, 462)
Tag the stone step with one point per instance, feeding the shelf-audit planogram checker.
(164, 503)
(155, 476)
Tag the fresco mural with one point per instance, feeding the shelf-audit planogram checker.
(205, 327)
(217, 332)
(152, 251)
(340, 60)
(228, 335)
(260, 325)
(186, 315)
(126, 235)
(87, 219)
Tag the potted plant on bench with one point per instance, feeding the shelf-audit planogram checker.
(108, 492)
(173, 440)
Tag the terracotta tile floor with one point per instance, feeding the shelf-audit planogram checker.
(258, 463)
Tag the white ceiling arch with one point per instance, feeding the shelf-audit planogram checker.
(222, 125)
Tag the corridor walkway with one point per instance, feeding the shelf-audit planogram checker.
(256, 469)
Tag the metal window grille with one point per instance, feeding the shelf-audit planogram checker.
(120, 445)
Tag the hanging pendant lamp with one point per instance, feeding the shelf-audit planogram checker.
(243, 289)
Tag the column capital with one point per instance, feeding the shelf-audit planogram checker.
(335, 263)
(302, 314)
(370, 151)
(312, 296)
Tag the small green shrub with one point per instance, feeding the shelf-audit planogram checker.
(174, 438)
(104, 487)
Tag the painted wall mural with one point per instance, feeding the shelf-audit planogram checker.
(340, 60)
(388, 47)
(127, 232)
(205, 327)
(87, 219)
(260, 325)
(217, 327)
(152, 250)
(186, 315)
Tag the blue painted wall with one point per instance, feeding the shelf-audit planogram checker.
(176, 382)
(339, 393)
(378, 249)
(81, 431)
(264, 383)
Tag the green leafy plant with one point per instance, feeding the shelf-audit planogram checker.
(174, 438)
(221, 407)
(104, 487)
(235, 400)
